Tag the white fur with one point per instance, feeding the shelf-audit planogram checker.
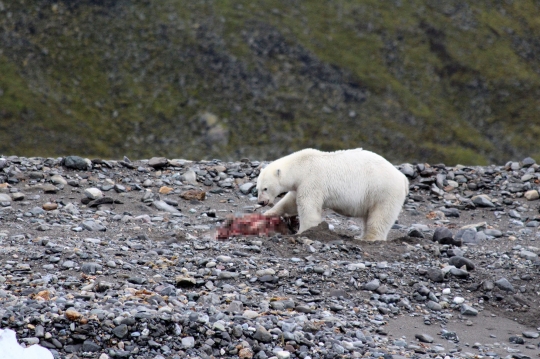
(354, 183)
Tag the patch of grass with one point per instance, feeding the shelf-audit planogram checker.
(442, 82)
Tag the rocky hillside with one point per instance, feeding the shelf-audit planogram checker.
(413, 80)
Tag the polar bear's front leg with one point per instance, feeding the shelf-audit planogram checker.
(285, 207)
(309, 213)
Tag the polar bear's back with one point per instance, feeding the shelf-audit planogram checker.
(354, 180)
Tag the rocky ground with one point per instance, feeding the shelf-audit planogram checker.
(118, 259)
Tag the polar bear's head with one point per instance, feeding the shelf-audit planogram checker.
(269, 185)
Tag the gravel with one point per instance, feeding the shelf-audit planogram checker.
(140, 274)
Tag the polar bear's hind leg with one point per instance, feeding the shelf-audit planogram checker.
(379, 222)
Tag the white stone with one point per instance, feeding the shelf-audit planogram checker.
(356, 266)
(189, 177)
(267, 271)
(250, 314)
(446, 291)
(531, 195)
(57, 179)
(459, 300)
(188, 342)
(283, 354)
(93, 193)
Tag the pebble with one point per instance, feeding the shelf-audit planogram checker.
(531, 335)
(372, 285)
(435, 275)
(459, 262)
(50, 206)
(483, 201)
(163, 206)
(443, 235)
(468, 310)
(531, 195)
(76, 162)
(424, 338)
(504, 284)
(57, 179)
(158, 162)
(93, 193)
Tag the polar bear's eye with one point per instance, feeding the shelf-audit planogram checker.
(265, 189)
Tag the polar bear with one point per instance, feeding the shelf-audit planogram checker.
(354, 183)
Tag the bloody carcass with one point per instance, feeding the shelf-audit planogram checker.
(258, 225)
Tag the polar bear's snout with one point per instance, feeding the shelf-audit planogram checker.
(263, 199)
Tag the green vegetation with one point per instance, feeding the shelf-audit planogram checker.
(419, 80)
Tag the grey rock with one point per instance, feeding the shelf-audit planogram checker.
(247, 187)
(415, 233)
(482, 201)
(450, 212)
(57, 179)
(90, 346)
(136, 280)
(443, 235)
(435, 275)
(452, 252)
(516, 340)
(459, 262)
(467, 236)
(481, 236)
(531, 335)
(163, 206)
(528, 255)
(448, 335)
(493, 232)
(76, 162)
(39, 331)
(227, 275)
(424, 338)
(408, 170)
(458, 272)
(434, 305)
(488, 285)
(528, 162)
(119, 188)
(504, 284)
(90, 225)
(262, 335)
(68, 264)
(91, 268)
(372, 285)
(468, 310)
(235, 307)
(158, 162)
(532, 224)
(120, 331)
